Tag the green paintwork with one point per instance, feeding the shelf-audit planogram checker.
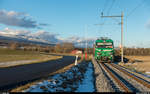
(104, 54)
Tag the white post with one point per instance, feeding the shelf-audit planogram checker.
(76, 61)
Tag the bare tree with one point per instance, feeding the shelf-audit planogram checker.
(14, 46)
(58, 48)
(67, 47)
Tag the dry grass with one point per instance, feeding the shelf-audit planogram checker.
(7, 55)
(42, 60)
(14, 55)
(141, 58)
(65, 54)
(141, 63)
(6, 58)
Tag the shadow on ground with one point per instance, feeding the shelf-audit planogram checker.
(118, 59)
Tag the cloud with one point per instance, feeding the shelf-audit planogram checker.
(47, 36)
(43, 24)
(76, 39)
(18, 19)
(12, 32)
(41, 36)
(44, 36)
(71, 39)
(79, 41)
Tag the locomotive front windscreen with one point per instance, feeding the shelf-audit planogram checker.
(104, 45)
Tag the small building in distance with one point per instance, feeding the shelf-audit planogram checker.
(76, 52)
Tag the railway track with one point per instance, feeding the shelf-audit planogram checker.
(121, 78)
(116, 78)
(133, 76)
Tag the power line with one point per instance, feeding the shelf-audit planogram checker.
(133, 10)
(139, 5)
(116, 20)
(105, 5)
(111, 7)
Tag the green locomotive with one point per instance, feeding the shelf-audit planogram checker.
(104, 50)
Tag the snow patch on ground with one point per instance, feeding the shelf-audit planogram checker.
(87, 84)
(147, 74)
(77, 79)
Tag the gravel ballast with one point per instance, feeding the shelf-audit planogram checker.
(102, 83)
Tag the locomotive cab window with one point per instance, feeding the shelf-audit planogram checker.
(104, 45)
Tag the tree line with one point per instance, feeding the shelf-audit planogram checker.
(137, 51)
(128, 51)
(68, 47)
(58, 48)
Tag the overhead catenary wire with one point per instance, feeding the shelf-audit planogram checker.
(135, 8)
(132, 11)
(105, 5)
(103, 9)
(111, 6)
(117, 20)
(108, 11)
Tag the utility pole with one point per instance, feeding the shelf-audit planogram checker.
(121, 16)
(122, 37)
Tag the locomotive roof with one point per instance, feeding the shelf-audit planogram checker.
(102, 40)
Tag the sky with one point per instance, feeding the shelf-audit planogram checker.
(71, 19)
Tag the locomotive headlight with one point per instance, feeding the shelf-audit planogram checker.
(110, 53)
(98, 53)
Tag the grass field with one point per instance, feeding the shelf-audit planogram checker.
(140, 58)
(7, 55)
(141, 63)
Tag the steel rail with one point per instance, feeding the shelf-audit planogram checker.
(120, 83)
(143, 82)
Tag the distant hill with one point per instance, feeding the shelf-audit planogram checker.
(22, 40)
